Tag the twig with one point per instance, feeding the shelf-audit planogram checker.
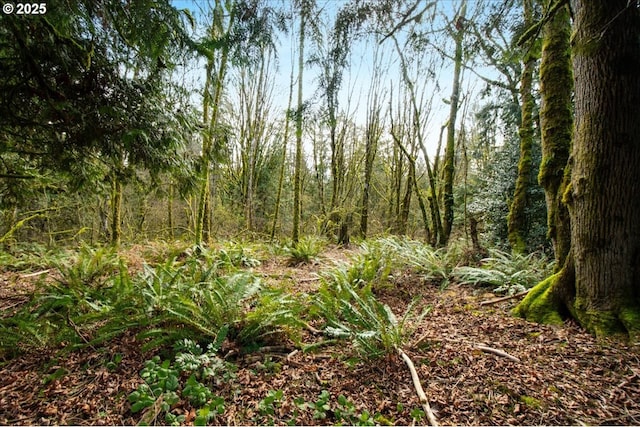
(416, 383)
(406, 19)
(37, 273)
(422, 338)
(312, 329)
(480, 347)
(497, 352)
(151, 414)
(497, 300)
(77, 331)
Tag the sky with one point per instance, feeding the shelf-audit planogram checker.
(358, 76)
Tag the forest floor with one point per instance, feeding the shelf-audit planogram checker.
(563, 375)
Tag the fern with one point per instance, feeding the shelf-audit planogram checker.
(505, 272)
(276, 312)
(433, 264)
(89, 267)
(23, 332)
(355, 313)
(305, 251)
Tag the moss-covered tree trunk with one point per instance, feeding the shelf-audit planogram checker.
(214, 82)
(297, 178)
(556, 122)
(517, 220)
(449, 152)
(170, 223)
(373, 132)
(603, 266)
(116, 209)
(605, 181)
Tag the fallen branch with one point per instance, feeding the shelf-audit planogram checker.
(151, 414)
(497, 352)
(37, 273)
(497, 300)
(480, 347)
(416, 383)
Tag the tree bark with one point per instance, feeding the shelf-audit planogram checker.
(603, 196)
(556, 122)
(517, 220)
(116, 209)
(298, 162)
(450, 148)
(605, 190)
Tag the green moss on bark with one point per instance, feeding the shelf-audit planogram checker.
(517, 220)
(630, 318)
(542, 305)
(624, 321)
(599, 322)
(556, 121)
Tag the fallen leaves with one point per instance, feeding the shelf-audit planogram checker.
(565, 376)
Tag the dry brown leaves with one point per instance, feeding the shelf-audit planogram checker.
(565, 375)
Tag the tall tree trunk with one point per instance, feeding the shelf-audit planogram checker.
(396, 188)
(318, 164)
(412, 183)
(517, 220)
(116, 209)
(297, 185)
(204, 173)
(203, 221)
(405, 206)
(604, 195)
(283, 159)
(450, 148)
(337, 157)
(371, 146)
(417, 133)
(170, 210)
(253, 101)
(556, 122)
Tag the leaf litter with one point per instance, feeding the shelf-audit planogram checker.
(565, 376)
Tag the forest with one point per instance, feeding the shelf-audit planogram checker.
(320, 212)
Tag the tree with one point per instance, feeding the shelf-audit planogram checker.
(517, 219)
(556, 122)
(598, 284)
(239, 33)
(373, 133)
(84, 93)
(283, 159)
(306, 9)
(449, 152)
(255, 93)
(212, 138)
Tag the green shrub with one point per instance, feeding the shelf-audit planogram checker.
(163, 383)
(505, 272)
(305, 251)
(355, 313)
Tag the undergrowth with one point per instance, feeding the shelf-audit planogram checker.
(350, 309)
(95, 299)
(305, 251)
(506, 273)
(200, 297)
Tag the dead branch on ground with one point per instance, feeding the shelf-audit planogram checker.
(497, 300)
(416, 383)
